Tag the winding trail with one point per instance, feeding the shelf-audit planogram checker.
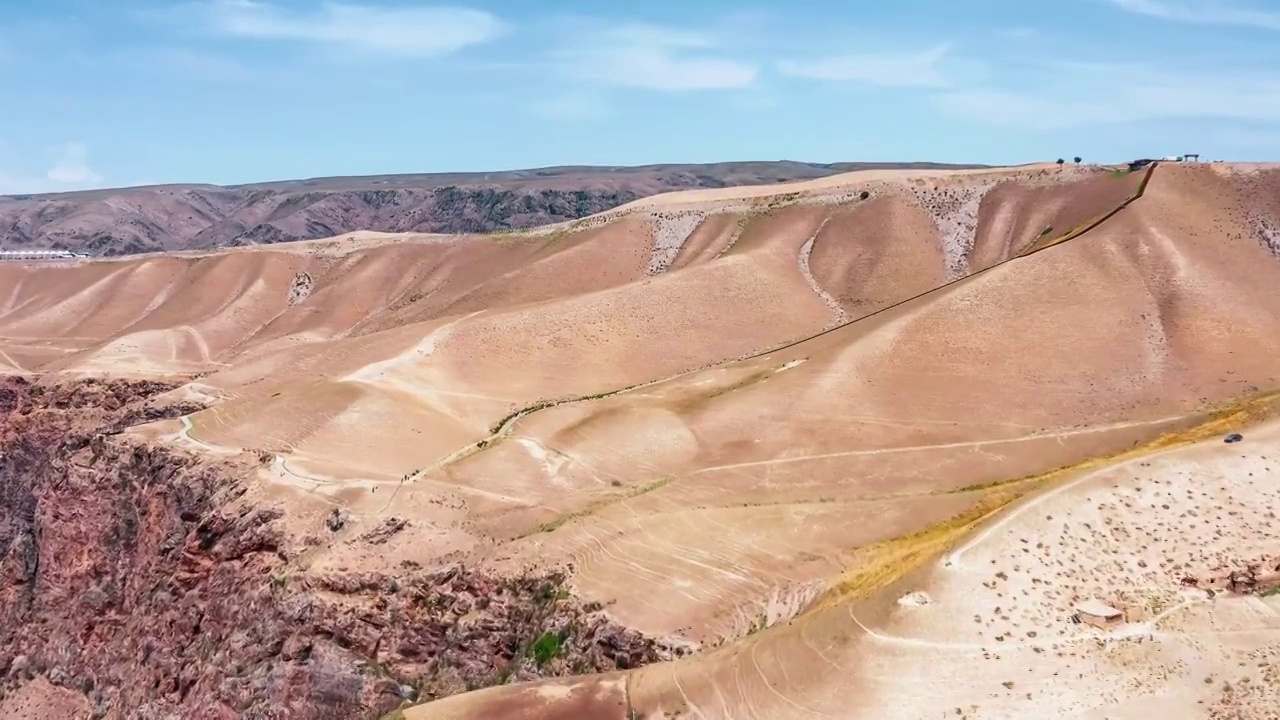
(281, 469)
(185, 435)
(946, 446)
(839, 315)
(14, 363)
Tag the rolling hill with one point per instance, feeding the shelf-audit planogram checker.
(771, 451)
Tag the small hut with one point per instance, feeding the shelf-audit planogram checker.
(1099, 614)
(1192, 157)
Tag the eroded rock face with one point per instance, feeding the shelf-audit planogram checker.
(142, 579)
(301, 287)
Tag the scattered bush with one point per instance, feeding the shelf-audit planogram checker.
(546, 648)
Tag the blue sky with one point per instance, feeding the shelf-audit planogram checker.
(147, 91)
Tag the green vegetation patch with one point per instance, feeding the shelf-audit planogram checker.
(546, 648)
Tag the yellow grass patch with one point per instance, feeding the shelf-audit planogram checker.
(879, 565)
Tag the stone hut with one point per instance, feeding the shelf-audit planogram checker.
(1099, 614)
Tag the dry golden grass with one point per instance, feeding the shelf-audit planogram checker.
(877, 566)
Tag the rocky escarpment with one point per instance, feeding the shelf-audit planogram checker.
(145, 581)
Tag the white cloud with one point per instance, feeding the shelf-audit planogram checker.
(72, 167)
(1202, 13)
(918, 69)
(408, 31)
(655, 58)
(70, 171)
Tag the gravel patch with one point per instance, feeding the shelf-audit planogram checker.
(838, 313)
(671, 231)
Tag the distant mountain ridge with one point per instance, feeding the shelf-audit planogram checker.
(187, 216)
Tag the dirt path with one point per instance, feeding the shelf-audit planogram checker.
(14, 363)
(945, 446)
(839, 316)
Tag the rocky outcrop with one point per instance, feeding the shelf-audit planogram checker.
(144, 580)
(301, 287)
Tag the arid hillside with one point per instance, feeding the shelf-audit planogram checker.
(179, 217)
(721, 453)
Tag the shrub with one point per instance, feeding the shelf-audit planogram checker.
(546, 648)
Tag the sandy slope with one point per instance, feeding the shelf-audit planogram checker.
(530, 318)
(628, 394)
(793, 440)
(991, 639)
(810, 437)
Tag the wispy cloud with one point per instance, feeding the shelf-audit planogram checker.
(655, 58)
(916, 69)
(404, 31)
(70, 171)
(1202, 13)
(72, 167)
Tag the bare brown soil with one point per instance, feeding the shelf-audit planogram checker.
(734, 419)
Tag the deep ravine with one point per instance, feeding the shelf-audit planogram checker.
(142, 581)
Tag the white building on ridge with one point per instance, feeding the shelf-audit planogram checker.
(30, 255)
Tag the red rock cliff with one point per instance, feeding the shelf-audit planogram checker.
(138, 577)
